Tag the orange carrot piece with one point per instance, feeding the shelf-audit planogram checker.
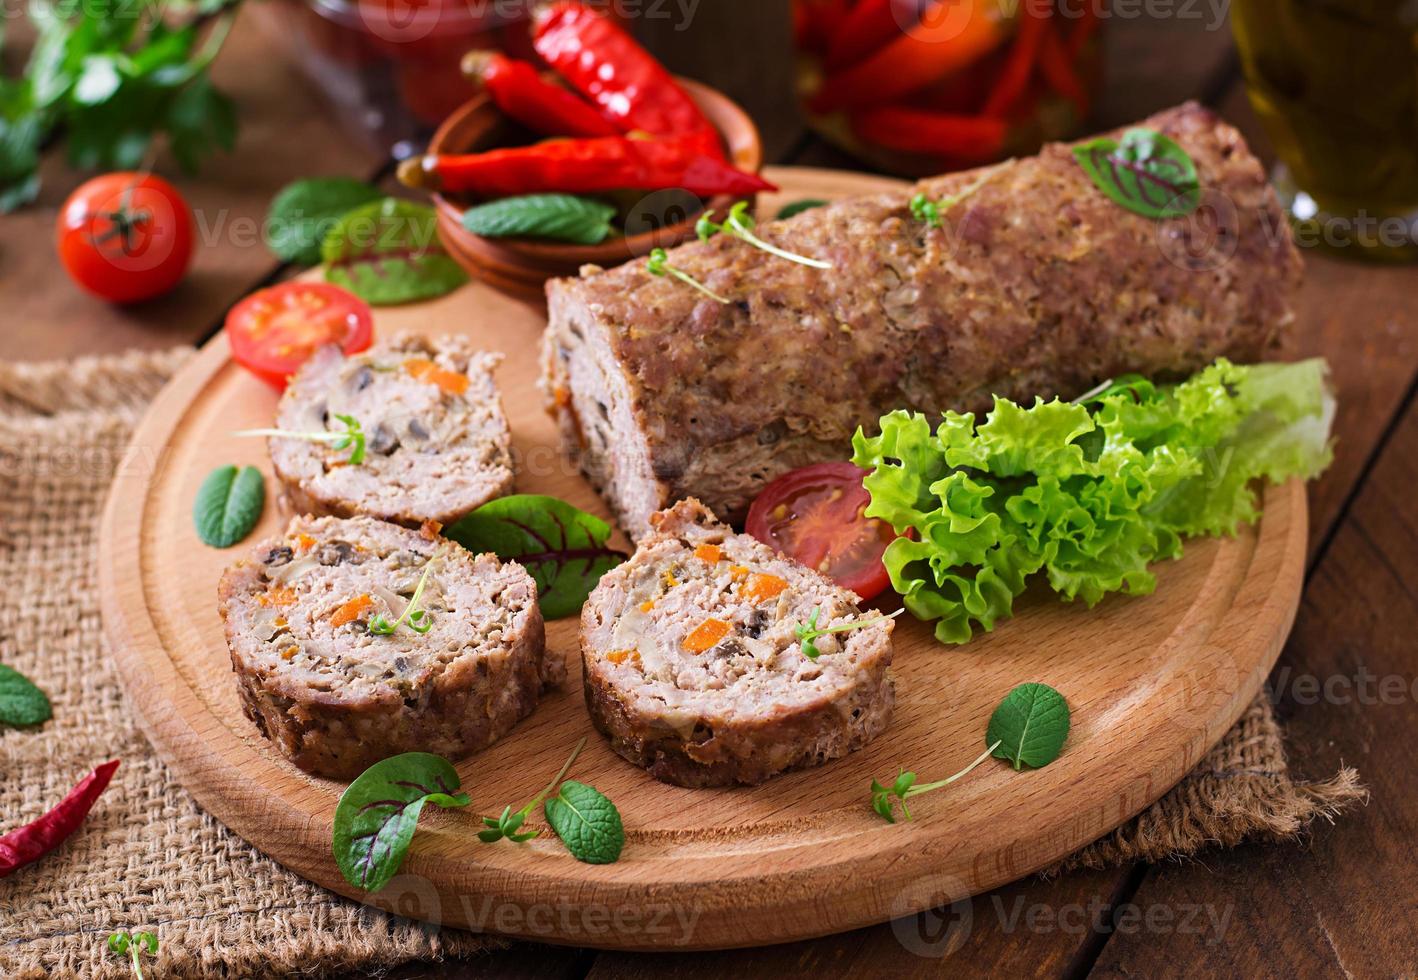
(351, 611)
(705, 635)
(282, 595)
(763, 587)
(450, 382)
(710, 553)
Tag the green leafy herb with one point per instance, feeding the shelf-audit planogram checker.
(563, 548)
(303, 213)
(740, 225)
(794, 208)
(507, 824)
(658, 265)
(21, 702)
(134, 946)
(413, 617)
(228, 505)
(109, 79)
(587, 823)
(904, 787)
(1145, 172)
(1090, 495)
(351, 437)
(560, 217)
(809, 632)
(925, 210)
(388, 252)
(1029, 726)
(378, 813)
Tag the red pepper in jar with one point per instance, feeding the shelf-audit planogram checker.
(950, 35)
(965, 139)
(583, 166)
(27, 844)
(1023, 55)
(868, 26)
(1059, 73)
(519, 90)
(631, 88)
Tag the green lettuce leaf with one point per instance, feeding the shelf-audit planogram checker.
(1088, 493)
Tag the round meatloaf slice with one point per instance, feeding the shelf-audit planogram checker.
(693, 670)
(319, 671)
(436, 440)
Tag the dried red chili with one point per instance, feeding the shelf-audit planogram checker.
(519, 90)
(605, 64)
(27, 844)
(583, 166)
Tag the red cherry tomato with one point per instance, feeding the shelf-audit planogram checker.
(273, 331)
(814, 515)
(125, 237)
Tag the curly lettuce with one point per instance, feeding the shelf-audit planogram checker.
(1089, 492)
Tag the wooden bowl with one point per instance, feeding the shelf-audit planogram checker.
(522, 265)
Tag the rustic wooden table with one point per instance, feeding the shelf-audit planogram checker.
(1340, 901)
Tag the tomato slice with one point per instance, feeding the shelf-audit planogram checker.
(273, 331)
(814, 515)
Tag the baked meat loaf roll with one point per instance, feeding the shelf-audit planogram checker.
(320, 671)
(1034, 284)
(694, 672)
(436, 441)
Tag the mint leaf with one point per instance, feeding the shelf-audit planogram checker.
(1146, 172)
(1029, 726)
(303, 212)
(562, 547)
(560, 217)
(228, 505)
(587, 823)
(798, 207)
(378, 813)
(21, 702)
(388, 252)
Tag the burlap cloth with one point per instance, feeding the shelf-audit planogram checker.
(148, 858)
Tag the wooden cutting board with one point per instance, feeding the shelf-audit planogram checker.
(1153, 682)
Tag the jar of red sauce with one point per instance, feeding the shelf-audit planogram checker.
(391, 67)
(918, 87)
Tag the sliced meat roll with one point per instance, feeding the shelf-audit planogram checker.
(693, 669)
(339, 672)
(436, 440)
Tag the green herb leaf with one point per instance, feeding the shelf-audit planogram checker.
(905, 787)
(564, 548)
(388, 252)
(560, 217)
(134, 946)
(351, 437)
(1029, 726)
(658, 264)
(809, 631)
(415, 618)
(378, 813)
(508, 823)
(798, 207)
(228, 505)
(1087, 494)
(1146, 172)
(21, 702)
(587, 823)
(303, 213)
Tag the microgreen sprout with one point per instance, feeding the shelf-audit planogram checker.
(507, 824)
(352, 438)
(418, 619)
(905, 787)
(134, 946)
(740, 225)
(925, 210)
(810, 632)
(658, 265)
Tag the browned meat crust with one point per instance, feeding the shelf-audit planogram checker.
(1036, 285)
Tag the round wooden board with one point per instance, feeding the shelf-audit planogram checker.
(1153, 683)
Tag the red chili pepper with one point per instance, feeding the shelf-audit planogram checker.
(816, 21)
(584, 166)
(631, 88)
(520, 91)
(951, 35)
(1022, 56)
(27, 844)
(1059, 73)
(1083, 27)
(867, 26)
(963, 138)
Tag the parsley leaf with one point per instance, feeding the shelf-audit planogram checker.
(1029, 726)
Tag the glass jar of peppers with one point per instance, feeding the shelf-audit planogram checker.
(918, 87)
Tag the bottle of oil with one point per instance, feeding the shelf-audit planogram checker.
(1336, 84)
